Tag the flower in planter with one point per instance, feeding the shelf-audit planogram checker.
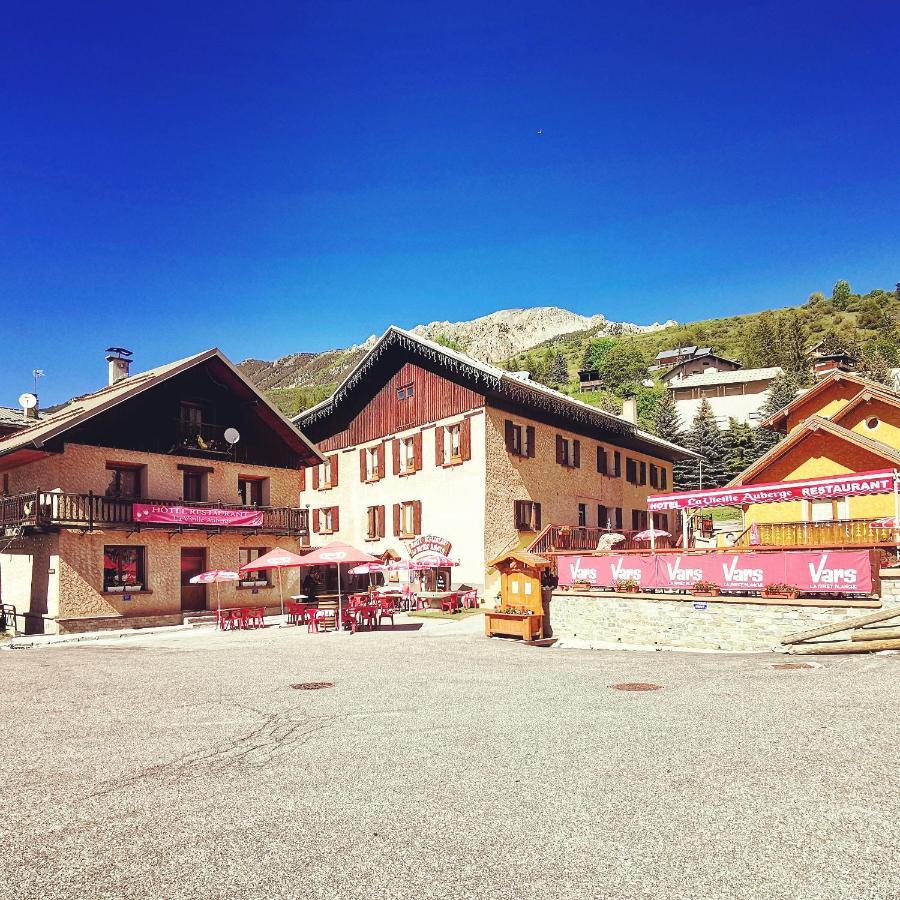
(705, 587)
(627, 585)
(781, 587)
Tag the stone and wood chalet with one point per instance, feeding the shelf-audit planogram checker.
(423, 440)
(111, 503)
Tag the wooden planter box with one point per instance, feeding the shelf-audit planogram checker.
(706, 593)
(509, 625)
(781, 595)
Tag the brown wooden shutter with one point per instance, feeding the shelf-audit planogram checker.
(518, 514)
(381, 469)
(396, 520)
(417, 451)
(663, 477)
(315, 521)
(333, 462)
(536, 516)
(529, 441)
(439, 445)
(395, 452)
(417, 516)
(362, 463)
(559, 449)
(465, 439)
(576, 454)
(335, 518)
(601, 461)
(379, 521)
(508, 428)
(303, 479)
(315, 478)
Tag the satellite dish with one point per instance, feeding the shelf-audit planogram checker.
(28, 401)
(232, 435)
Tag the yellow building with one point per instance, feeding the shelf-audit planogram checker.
(843, 425)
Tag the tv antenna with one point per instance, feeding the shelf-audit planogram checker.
(35, 374)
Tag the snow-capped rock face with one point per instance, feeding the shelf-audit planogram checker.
(490, 338)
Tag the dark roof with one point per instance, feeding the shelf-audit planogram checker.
(505, 389)
(14, 417)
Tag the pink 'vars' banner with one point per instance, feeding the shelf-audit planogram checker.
(812, 572)
(212, 516)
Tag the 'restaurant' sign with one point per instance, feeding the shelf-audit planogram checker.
(429, 543)
(853, 485)
(826, 571)
(210, 516)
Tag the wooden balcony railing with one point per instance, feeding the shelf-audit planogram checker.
(586, 539)
(837, 534)
(53, 509)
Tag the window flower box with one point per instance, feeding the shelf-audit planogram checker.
(705, 589)
(627, 586)
(781, 591)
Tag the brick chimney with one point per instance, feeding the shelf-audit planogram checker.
(119, 360)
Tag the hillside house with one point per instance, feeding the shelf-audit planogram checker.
(739, 394)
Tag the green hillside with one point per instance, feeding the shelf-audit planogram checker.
(866, 326)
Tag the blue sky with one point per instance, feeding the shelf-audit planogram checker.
(274, 178)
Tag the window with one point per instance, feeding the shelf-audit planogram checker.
(654, 476)
(325, 520)
(193, 485)
(452, 442)
(251, 491)
(643, 472)
(372, 467)
(639, 519)
(617, 464)
(325, 475)
(602, 517)
(602, 461)
(247, 555)
(519, 441)
(663, 477)
(408, 518)
(191, 416)
(872, 423)
(406, 404)
(407, 454)
(582, 514)
(660, 521)
(124, 480)
(616, 517)
(630, 470)
(527, 515)
(374, 523)
(323, 471)
(123, 568)
(568, 452)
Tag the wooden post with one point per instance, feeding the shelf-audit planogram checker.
(846, 647)
(875, 634)
(845, 625)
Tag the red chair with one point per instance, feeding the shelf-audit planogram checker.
(469, 599)
(368, 616)
(223, 619)
(256, 617)
(348, 618)
(450, 604)
(386, 611)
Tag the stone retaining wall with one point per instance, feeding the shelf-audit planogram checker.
(670, 622)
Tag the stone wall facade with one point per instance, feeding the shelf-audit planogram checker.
(655, 620)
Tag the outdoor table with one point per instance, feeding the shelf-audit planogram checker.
(434, 598)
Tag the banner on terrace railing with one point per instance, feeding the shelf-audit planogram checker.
(210, 516)
(853, 485)
(826, 571)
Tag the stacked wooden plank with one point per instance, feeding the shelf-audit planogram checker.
(863, 638)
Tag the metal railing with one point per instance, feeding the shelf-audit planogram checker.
(836, 533)
(48, 509)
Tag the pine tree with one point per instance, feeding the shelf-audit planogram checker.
(840, 294)
(792, 347)
(557, 371)
(760, 345)
(667, 422)
(782, 391)
(740, 448)
(705, 439)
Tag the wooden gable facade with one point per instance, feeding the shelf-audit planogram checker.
(411, 397)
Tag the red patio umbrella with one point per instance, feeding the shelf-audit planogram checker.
(339, 554)
(277, 559)
(214, 577)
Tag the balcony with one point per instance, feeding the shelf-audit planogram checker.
(837, 534)
(49, 510)
(586, 539)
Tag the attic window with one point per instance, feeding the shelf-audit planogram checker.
(872, 423)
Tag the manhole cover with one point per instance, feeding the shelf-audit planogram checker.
(636, 686)
(312, 685)
(792, 666)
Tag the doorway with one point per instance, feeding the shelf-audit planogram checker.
(193, 562)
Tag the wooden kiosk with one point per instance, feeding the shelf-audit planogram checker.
(521, 613)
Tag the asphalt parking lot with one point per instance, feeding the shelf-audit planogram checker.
(443, 765)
